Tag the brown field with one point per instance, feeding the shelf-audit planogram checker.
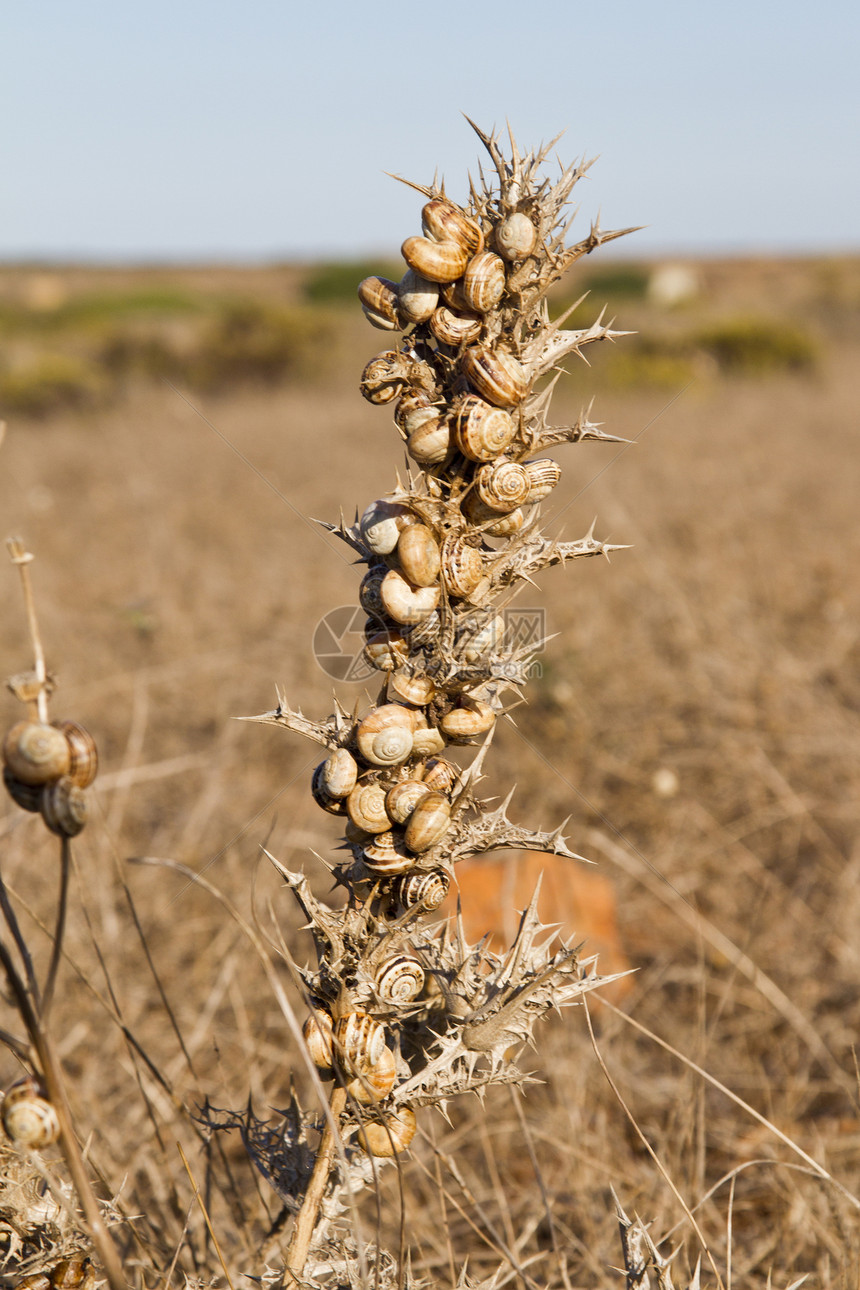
(697, 714)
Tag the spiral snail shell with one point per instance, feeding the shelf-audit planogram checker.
(443, 221)
(389, 1136)
(383, 377)
(431, 442)
(543, 475)
(386, 855)
(83, 754)
(418, 555)
(482, 432)
(384, 738)
(414, 408)
(358, 1041)
(36, 753)
(376, 1082)
(403, 602)
(385, 650)
(436, 261)
(29, 1119)
(427, 888)
(417, 297)
(428, 822)
(492, 522)
(401, 800)
(453, 328)
(410, 687)
(64, 807)
(502, 485)
(484, 282)
(73, 1274)
(399, 979)
(379, 301)
(320, 794)
(462, 566)
(382, 523)
(317, 1032)
(496, 375)
(427, 740)
(516, 237)
(465, 723)
(366, 808)
(441, 775)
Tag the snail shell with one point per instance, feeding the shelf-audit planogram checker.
(496, 375)
(384, 377)
(454, 328)
(27, 796)
(428, 822)
(384, 738)
(438, 261)
(405, 603)
(389, 1136)
(375, 1083)
(427, 740)
(368, 593)
(452, 294)
(481, 639)
(339, 773)
(477, 512)
(386, 651)
(320, 794)
(484, 282)
(418, 555)
(425, 633)
(462, 566)
(417, 296)
(382, 523)
(415, 410)
(463, 724)
(443, 221)
(366, 807)
(400, 979)
(358, 1041)
(430, 443)
(28, 1117)
(401, 800)
(73, 1274)
(482, 432)
(356, 835)
(502, 485)
(410, 687)
(36, 753)
(428, 888)
(379, 300)
(386, 855)
(543, 475)
(317, 1032)
(83, 754)
(64, 807)
(441, 775)
(516, 237)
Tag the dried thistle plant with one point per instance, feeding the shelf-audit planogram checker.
(405, 1012)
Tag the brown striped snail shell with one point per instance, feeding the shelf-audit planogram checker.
(317, 1032)
(428, 822)
(463, 724)
(401, 800)
(366, 808)
(418, 555)
(496, 375)
(543, 476)
(84, 757)
(452, 294)
(441, 775)
(438, 261)
(73, 1274)
(481, 638)
(36, 753)
(502, 485)
(27, 796)
(358, 1041)
(462, 566)
(405, 603)
(321, 796)
(410, 687)
(516, 237)
(492, 522)
(417, 297)
(64, 807)
(376, 1082)
(400, 979)
(427, 740)
(29, 1119)
(413, 409)
(443, 221)
(339, 773)
(386, 855)
(382, 523)
(455, 329)
(427, 887)
(385, 650)
(482, 432)
(389, 1136)
(384, 377)
(430, 443)
(384, 738)
(484, 282)
(379, 301)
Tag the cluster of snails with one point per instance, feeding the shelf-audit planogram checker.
(47, 768)
(69, 1274)
(29, 1118)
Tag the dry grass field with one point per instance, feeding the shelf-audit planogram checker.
(697, 714)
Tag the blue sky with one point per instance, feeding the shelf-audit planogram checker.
(261, 130)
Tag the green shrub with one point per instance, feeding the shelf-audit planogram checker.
(755, 346)
(337, 282)
(253, 341)
(50, 382)
(623, 281)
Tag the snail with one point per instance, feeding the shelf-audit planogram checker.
(385, 650)
(366, 807)
(390, 1135)
(339, 773)
(428, 822)
(427, 740)
(400, 979)
(64, 807)
(441, 775)
(492, 522)
(323, 798)
(427, 888)
(503, 485)
(516, 237)
(482, 432)
(496, 375)
(27, 796)
(358, 1041)
(401, 800)
(463, 724)
(419, 556)
(379, 301)
(317, 1033)
(543, 475)
(417, 297)
(384, 738)
(382, 523)
(403, 602)
(410, 687)
(443, 221)
(36, 753)
(430, 443)
(462, 567)
(83, 754)
(484, 282)
(452, 328)
(375, 1083)
(29, 1118)
(386, 855)
(437, 261)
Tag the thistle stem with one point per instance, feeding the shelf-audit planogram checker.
(306, 1218)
